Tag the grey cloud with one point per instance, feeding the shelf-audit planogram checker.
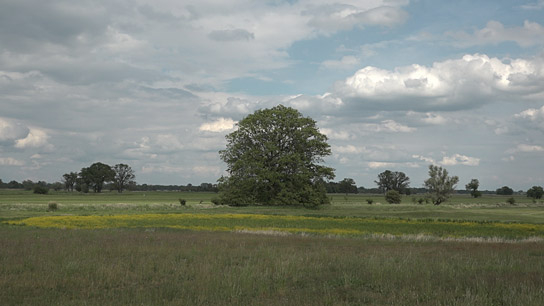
(231, 35)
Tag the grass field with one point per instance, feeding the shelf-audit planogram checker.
(145, 248)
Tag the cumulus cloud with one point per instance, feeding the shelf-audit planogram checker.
(330, 18)
(346, 62)
(463, 83)
(531, 33)
(533, 117)
(389, 126)
(220, 125)
(526, 148)
(453, 160)
(36, 138)
(11, 130)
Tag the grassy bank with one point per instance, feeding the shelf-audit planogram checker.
(166, 267)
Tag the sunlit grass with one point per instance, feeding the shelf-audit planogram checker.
(292, 224)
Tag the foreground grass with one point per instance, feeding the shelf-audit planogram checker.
(172, 267)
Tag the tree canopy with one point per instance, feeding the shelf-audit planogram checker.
(123, 177)
(389, 180)
(274, 158)
(473, 188)
(95, 175)
(536, 192)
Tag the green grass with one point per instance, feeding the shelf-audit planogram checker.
(151, 264)
(167, 267)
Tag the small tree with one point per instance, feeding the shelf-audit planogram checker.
(440, 184)
(473, 188)
(124, 176)
(536, 192)
(393, 197)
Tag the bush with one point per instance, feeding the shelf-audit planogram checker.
(511, 201)
(421, 200)
(52, 206)
(182, 202)
(216, 201)
(393, 197)
(369, 201)
(41, 190)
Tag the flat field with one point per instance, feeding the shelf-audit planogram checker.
(146, 248)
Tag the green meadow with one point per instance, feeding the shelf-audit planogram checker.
(146, 248)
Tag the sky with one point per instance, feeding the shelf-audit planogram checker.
(394, 84)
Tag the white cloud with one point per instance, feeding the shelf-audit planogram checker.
(533, 117)
(464, 83)
(346, 62)
(11, 130)
(336, 134)
(525, 148)
(534, 5)
(455, 159)
(458, 159)
(374, 165)
(36, 138)
(389, 126)
(9, 161)
(530, 34)
(220, 125)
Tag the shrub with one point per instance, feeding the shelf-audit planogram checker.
(369, 201)
(182, 202)
(393, 197)
(511, 201)
(41, 190)
(421, 200)
(216, 201)
(52, 206)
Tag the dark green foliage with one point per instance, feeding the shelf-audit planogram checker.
(347, 185)
(511, 201)
(389, 180)
(182, 202)
(95, 176)
(369, 201)
(273, 158)
(440, 184)
(505, 190)
(536, 192)
(393, 197)
(38, 189)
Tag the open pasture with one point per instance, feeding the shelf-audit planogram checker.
(146, 248)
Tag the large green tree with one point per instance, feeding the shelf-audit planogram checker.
(95, 175)
(536, 192)
(274, 158)
(124, 176)
(440, 184)
(389, 180)
(69, 180)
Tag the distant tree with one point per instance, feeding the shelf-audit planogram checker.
(473, 188)
(69, 180)
(273, 158)
(40, 189)
(440, 184)
(14, 185)
(95, 176)
(347, 185)
(536, 192)
(393, 197)
(56, 186)
(28, 184)
(389, 180)
(505, 190)
(124, 176)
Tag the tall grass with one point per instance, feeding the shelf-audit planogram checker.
(166, 267)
